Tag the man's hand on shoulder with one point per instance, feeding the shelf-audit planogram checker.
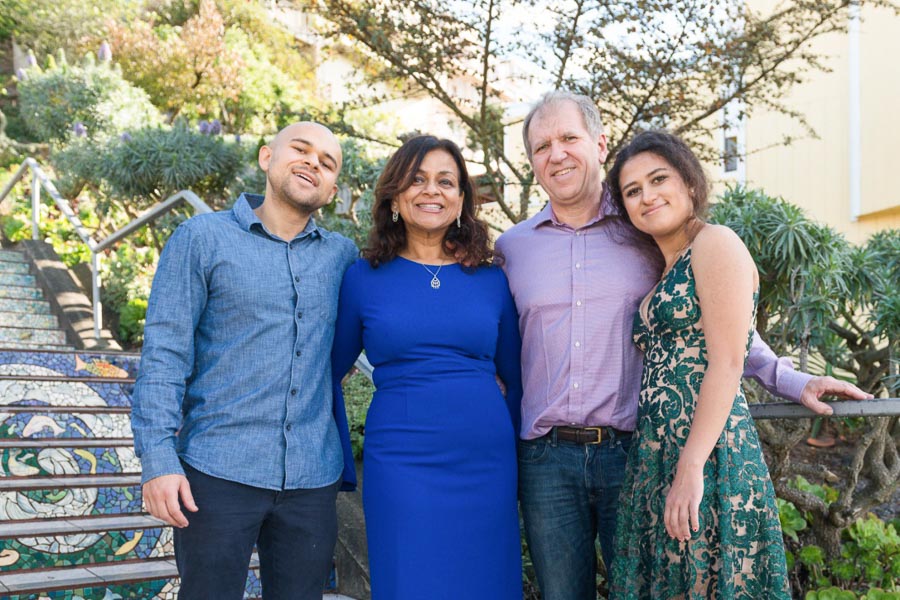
(828, 386)
(161, 495)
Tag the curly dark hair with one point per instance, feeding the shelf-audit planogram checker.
(674, 151)
(469, 243)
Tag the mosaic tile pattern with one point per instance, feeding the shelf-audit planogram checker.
(63, 425)
(158, 589)
(143, 590)
(70, 502)
(38, 462)
(14, 266)
(26, 293)
(35, 336)
(16, 279)
(41, 307)
(12, 319)
(81, 549)
(77, 364)
(59, 393)
(12, 255)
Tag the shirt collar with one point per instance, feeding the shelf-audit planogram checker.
(247, 219)
(607, 209)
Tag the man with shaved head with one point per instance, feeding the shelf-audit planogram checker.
(233, 416)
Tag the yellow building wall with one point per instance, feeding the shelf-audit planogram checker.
(814, 173)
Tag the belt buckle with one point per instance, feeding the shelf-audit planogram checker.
(599, 431)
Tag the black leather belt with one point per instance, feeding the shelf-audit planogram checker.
(588, 435)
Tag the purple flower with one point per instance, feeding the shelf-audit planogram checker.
(125, 137)
(215, 128)
(30, 60)
(21, 75)
(237, 138)
(104, 53)
(203, 126)
(79, 129)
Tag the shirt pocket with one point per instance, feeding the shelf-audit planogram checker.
(325, 287)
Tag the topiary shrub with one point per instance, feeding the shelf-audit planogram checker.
(91, 100)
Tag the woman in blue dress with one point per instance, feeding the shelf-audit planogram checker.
(433, 312)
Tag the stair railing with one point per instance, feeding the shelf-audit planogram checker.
(39, 180)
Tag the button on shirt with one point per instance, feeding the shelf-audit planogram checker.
(577, 291)
(235, 378)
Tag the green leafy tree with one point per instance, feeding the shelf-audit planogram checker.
(671, 63)
(187, 68)
(90, 99)
(835, 303)
(75, 26)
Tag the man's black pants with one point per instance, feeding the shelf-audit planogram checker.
(294, 532)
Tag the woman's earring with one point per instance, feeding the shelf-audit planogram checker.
(458, 224)
(395, 216)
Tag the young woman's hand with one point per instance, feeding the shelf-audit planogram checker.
(682, 514)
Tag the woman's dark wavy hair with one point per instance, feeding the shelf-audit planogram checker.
(469, 243)
(674, 151)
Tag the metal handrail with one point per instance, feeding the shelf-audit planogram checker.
(40, 180)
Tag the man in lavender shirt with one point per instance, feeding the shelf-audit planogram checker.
(577, 276)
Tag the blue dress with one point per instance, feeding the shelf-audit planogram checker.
(439, 460)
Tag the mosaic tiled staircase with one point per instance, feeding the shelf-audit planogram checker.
(71, 521)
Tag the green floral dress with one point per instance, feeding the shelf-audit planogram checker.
(738, 553)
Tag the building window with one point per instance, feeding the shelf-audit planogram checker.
(730, 155)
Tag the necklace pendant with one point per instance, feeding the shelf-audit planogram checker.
(435, 282)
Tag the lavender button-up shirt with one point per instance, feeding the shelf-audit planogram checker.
(577, 291)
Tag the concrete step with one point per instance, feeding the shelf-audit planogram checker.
(105, 365)
(158, 578)
(12, 256)
(17, 266)
(35, 321)
(17, 279)
(58, 482)
(19, 305)
(83, 542)
(41, 443)
(16, 292)
(53, 337)
(68, 526)
(35, 346)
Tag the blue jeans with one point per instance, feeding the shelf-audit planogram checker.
(569, 494)
(293, 530)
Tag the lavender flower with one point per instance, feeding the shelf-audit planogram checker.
(30, 59)
(21, 75)
(79, 129)
(237, 138)
(203, 126)
(104, 53)
(125, 137)
(215, 128)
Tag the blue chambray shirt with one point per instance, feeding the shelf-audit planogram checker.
(235, 375)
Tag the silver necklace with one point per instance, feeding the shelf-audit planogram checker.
(435, 282)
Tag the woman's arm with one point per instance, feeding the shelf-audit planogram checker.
(508, 356)
(344, 351)
(726, 279)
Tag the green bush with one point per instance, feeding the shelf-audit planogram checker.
(131, 320)
(358, 390)
(869, 561)
(153, 163)
(55, 100)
